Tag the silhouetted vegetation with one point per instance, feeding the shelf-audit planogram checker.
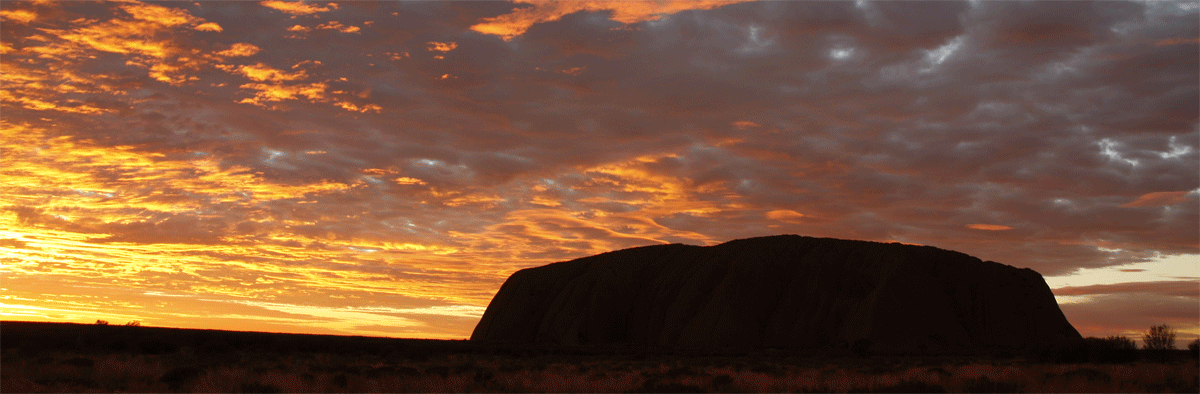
(1159, 338)
(1110, 350)
(1114, 349)
(1159, 341)
(42, 357)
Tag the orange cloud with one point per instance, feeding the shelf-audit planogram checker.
(262, 72)
(208, 27)
(784, 215)
(38, 104)
(409, 181)
(335, 25)
(745, 124)
(442, 46)
(274, 92)
(1158, 199)
(346, 105)
(297, 8)
(144, 35)
(240, 49)
(18, 16)
(519, 20)
(162, 16)
(988, 227)
(572, 70)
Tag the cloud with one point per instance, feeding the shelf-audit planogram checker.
(1181, 288)
(208, 27)
(18, 16)
(298, 8)
(519, 20)
(240, 49)
(442, 46)
(988, 227)
(335, 25)
(261, 72)
(1157, 199)
(784, 215)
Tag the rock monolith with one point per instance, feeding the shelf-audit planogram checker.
(784, 291)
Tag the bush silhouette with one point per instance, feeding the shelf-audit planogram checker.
(1159, 341)
(101, 322)
(1110, 350)
(1114, 349)
(1159, 338)
(1194, 347)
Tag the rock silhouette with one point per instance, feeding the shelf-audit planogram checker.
(779, 291)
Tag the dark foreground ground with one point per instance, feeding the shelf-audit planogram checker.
(59, 357)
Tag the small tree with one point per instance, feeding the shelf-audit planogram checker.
(1194, 347)
(134, 323)
(101, 322)
(1159, 338)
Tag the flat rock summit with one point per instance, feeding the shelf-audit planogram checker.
(779, 291)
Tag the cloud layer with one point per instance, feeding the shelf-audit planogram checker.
(316, 161)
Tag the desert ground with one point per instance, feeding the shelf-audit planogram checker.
(60, 357)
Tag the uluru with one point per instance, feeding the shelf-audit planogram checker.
(785, 291)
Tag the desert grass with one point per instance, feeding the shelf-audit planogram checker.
(321, 373)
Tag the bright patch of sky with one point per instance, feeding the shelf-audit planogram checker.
(334, 317)
(273, 159)
(1176, 150)
(1162, 268)
(841, 53)
(938, 56)
(1109, 148)
(430, 162)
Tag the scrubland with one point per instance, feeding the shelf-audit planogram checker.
(139, 359)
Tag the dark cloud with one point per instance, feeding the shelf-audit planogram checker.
(1183, 288)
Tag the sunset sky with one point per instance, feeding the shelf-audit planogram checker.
(380, 168)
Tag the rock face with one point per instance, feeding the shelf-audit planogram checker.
(780, 291)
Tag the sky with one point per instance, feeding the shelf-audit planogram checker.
(380, 168)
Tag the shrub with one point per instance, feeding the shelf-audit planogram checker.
(1159, 341)
(1159, 338)
(1114, 349)
(133, 323)
(101, 322)
(1194, 347)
